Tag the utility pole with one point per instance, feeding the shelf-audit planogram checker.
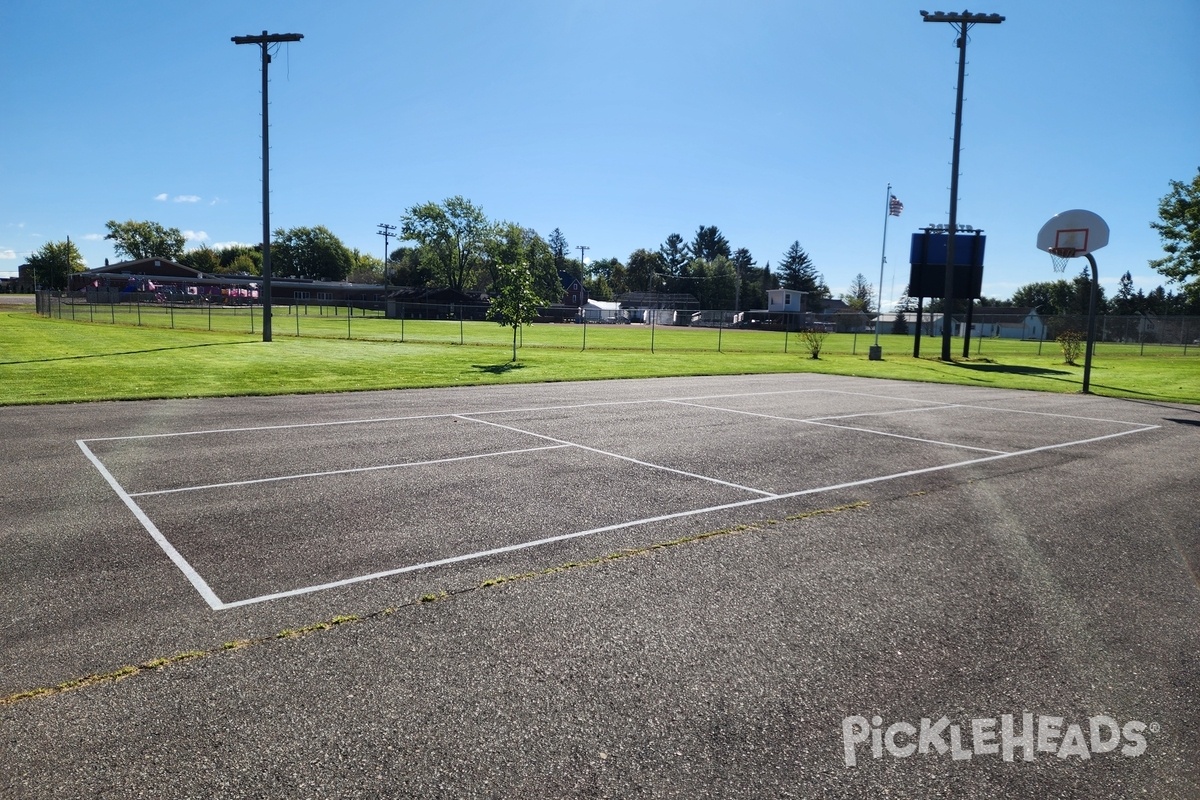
(263, 42)
(385, 231)
(962, 23)
(581, 248)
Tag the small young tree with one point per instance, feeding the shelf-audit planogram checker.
(814, 340)
(514, 298)
(1071, 342)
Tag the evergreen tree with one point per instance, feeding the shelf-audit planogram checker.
(675, 256)
(797, 272)
(558, 248)
(708, 244)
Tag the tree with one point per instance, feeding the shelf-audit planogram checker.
(202, 259)
(720, 284)
(643, 271)
(743, 268)
(1179, 228)
(455, 233)
(1082, 286)
(410, 266)
(240, 259)
(674, 255)
(509, 243)
(134, 240)
(1123, 301)
(606, 277)
(1049, 297)
(559, 249)
(514, 298)
(708, 244)
(365, 268)
(54, 262)
(313, 253)
(797, 272)
(859, 295)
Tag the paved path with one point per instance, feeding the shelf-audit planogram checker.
(516, 590)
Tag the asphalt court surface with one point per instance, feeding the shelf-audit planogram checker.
(647, 588)
(252, 514)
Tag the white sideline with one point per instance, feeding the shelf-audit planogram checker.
(217, 604)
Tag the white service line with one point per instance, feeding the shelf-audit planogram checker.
(817, 421)
(524, 409)
(345, 471)
(179, 561)
(630, 459)
(650, 520)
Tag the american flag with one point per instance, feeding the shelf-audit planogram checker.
(895, 206)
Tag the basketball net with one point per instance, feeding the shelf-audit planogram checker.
(1060, 256)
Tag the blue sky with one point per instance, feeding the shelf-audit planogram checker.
(617, 121)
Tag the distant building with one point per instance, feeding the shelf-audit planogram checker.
(573, 292)
(1003, 322)
(785, 300)
(164, 280)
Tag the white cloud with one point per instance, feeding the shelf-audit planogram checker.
(94, 237)
(161, 197)
(223, 245)
(8, 253)
(195, 236)
(187, 198)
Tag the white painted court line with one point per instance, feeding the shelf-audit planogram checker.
(215, 603)
(817, 421)
(179, 561)
(482, 412)
(345, 471)
(650, 520)
(630, 459)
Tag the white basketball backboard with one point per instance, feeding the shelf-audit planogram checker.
(1076, 232)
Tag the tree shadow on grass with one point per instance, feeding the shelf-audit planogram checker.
(1010, 369)
(121, 353)
(498, 369)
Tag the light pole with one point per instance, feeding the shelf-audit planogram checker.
(385, 231)
(263, 42)
(962, 23)
(581, 248)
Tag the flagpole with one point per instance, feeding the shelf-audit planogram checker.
(887, 212)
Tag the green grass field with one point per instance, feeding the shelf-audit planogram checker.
(122, 352)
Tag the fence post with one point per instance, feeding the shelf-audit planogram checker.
(349, 314)
(460, 324)
(720, 327)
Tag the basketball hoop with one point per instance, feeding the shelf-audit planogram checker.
(1060, 256)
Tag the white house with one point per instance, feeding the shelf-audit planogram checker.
(780, 300)
(1004, 323)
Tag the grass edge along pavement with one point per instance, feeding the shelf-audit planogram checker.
(59, 361)
(157, 664)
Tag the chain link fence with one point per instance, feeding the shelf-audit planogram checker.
(651, 329)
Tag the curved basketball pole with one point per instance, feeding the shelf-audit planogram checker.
(1091, 331)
